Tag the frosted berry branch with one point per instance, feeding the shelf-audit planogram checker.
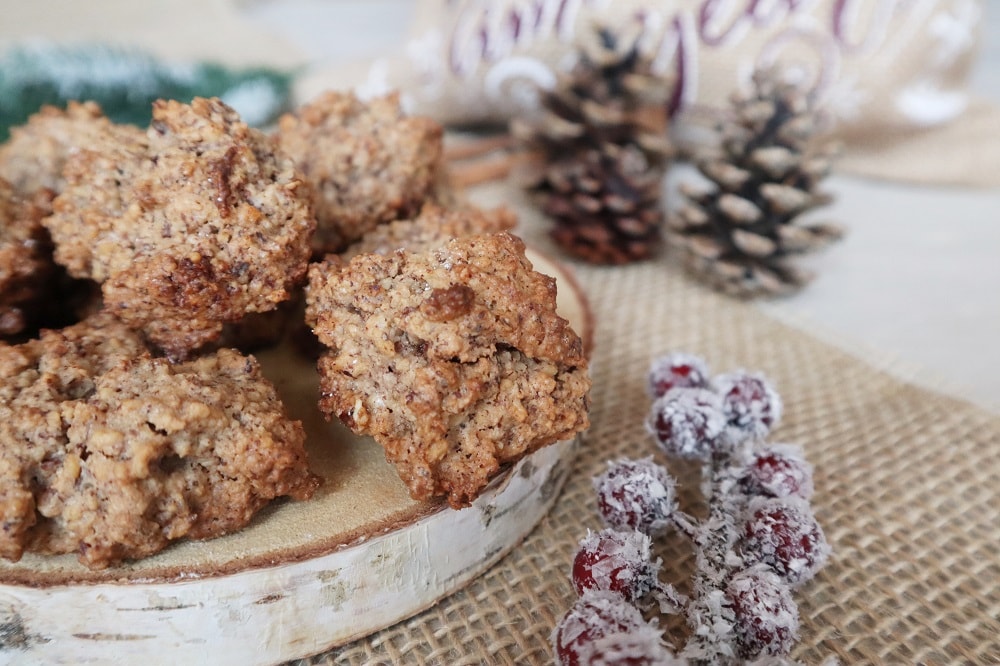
(758, 541)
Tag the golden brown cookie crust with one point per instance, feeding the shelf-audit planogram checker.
(433, 227)
(32, 159)
(366, 162)
(454, 359)
(111, 453)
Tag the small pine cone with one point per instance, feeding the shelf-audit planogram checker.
(741, 235)
(595, 158)
(606, 205)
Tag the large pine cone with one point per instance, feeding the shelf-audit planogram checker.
(741, 235)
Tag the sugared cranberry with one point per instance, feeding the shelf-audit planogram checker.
(751, 405)
(783, 534)
(677, 370)
(687, 422)
(617, 562)
(636, 494)
(766, 617)
(595, 615)
(778, 470)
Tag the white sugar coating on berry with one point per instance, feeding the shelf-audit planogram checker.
(711, 619)
(779, 470)
(617, 561)
(677, 369)
(595, 614)
(642, 646)
(750, 403)
(766, 617)
(782, 533)
(637, 494)
(686, 422)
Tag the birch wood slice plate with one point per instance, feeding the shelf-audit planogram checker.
(303, 576)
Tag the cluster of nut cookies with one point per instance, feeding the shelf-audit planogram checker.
(122, 431)
(138, 425)
(440, 340)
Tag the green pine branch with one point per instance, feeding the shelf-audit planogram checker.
(126, 81)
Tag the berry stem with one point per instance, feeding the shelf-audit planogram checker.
(718, 533)
(714, 642)
(670, 600)
(686, 525)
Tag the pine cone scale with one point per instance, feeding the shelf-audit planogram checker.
(739, 210)
(776, 161)
(587, 203)
(753, 244)
(785, 199)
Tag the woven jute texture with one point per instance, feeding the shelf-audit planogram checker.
(907, 490)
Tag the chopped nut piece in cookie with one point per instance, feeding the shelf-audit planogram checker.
(367, 163)
(453, 359)
(187, 227)
(112, 454)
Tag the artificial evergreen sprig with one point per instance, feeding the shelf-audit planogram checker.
(126, 81)
(758, 542)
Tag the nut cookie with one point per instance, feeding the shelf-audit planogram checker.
(191, 225)
(453, 359)
(366, 162)
(111, 453)
(32, 160)
(35, 379)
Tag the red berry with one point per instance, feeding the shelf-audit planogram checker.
(595, 615)
(783, 534)
(677, 370)
(687, 422)
(636, 494)
(766, 618)
(778, 470)
(751, 405)
(617, 562)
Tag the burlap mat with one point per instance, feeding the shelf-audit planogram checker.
(907, 490)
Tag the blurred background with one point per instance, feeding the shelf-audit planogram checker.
(379, 26)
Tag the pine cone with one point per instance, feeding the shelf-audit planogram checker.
(596, 156)
(741, 235)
